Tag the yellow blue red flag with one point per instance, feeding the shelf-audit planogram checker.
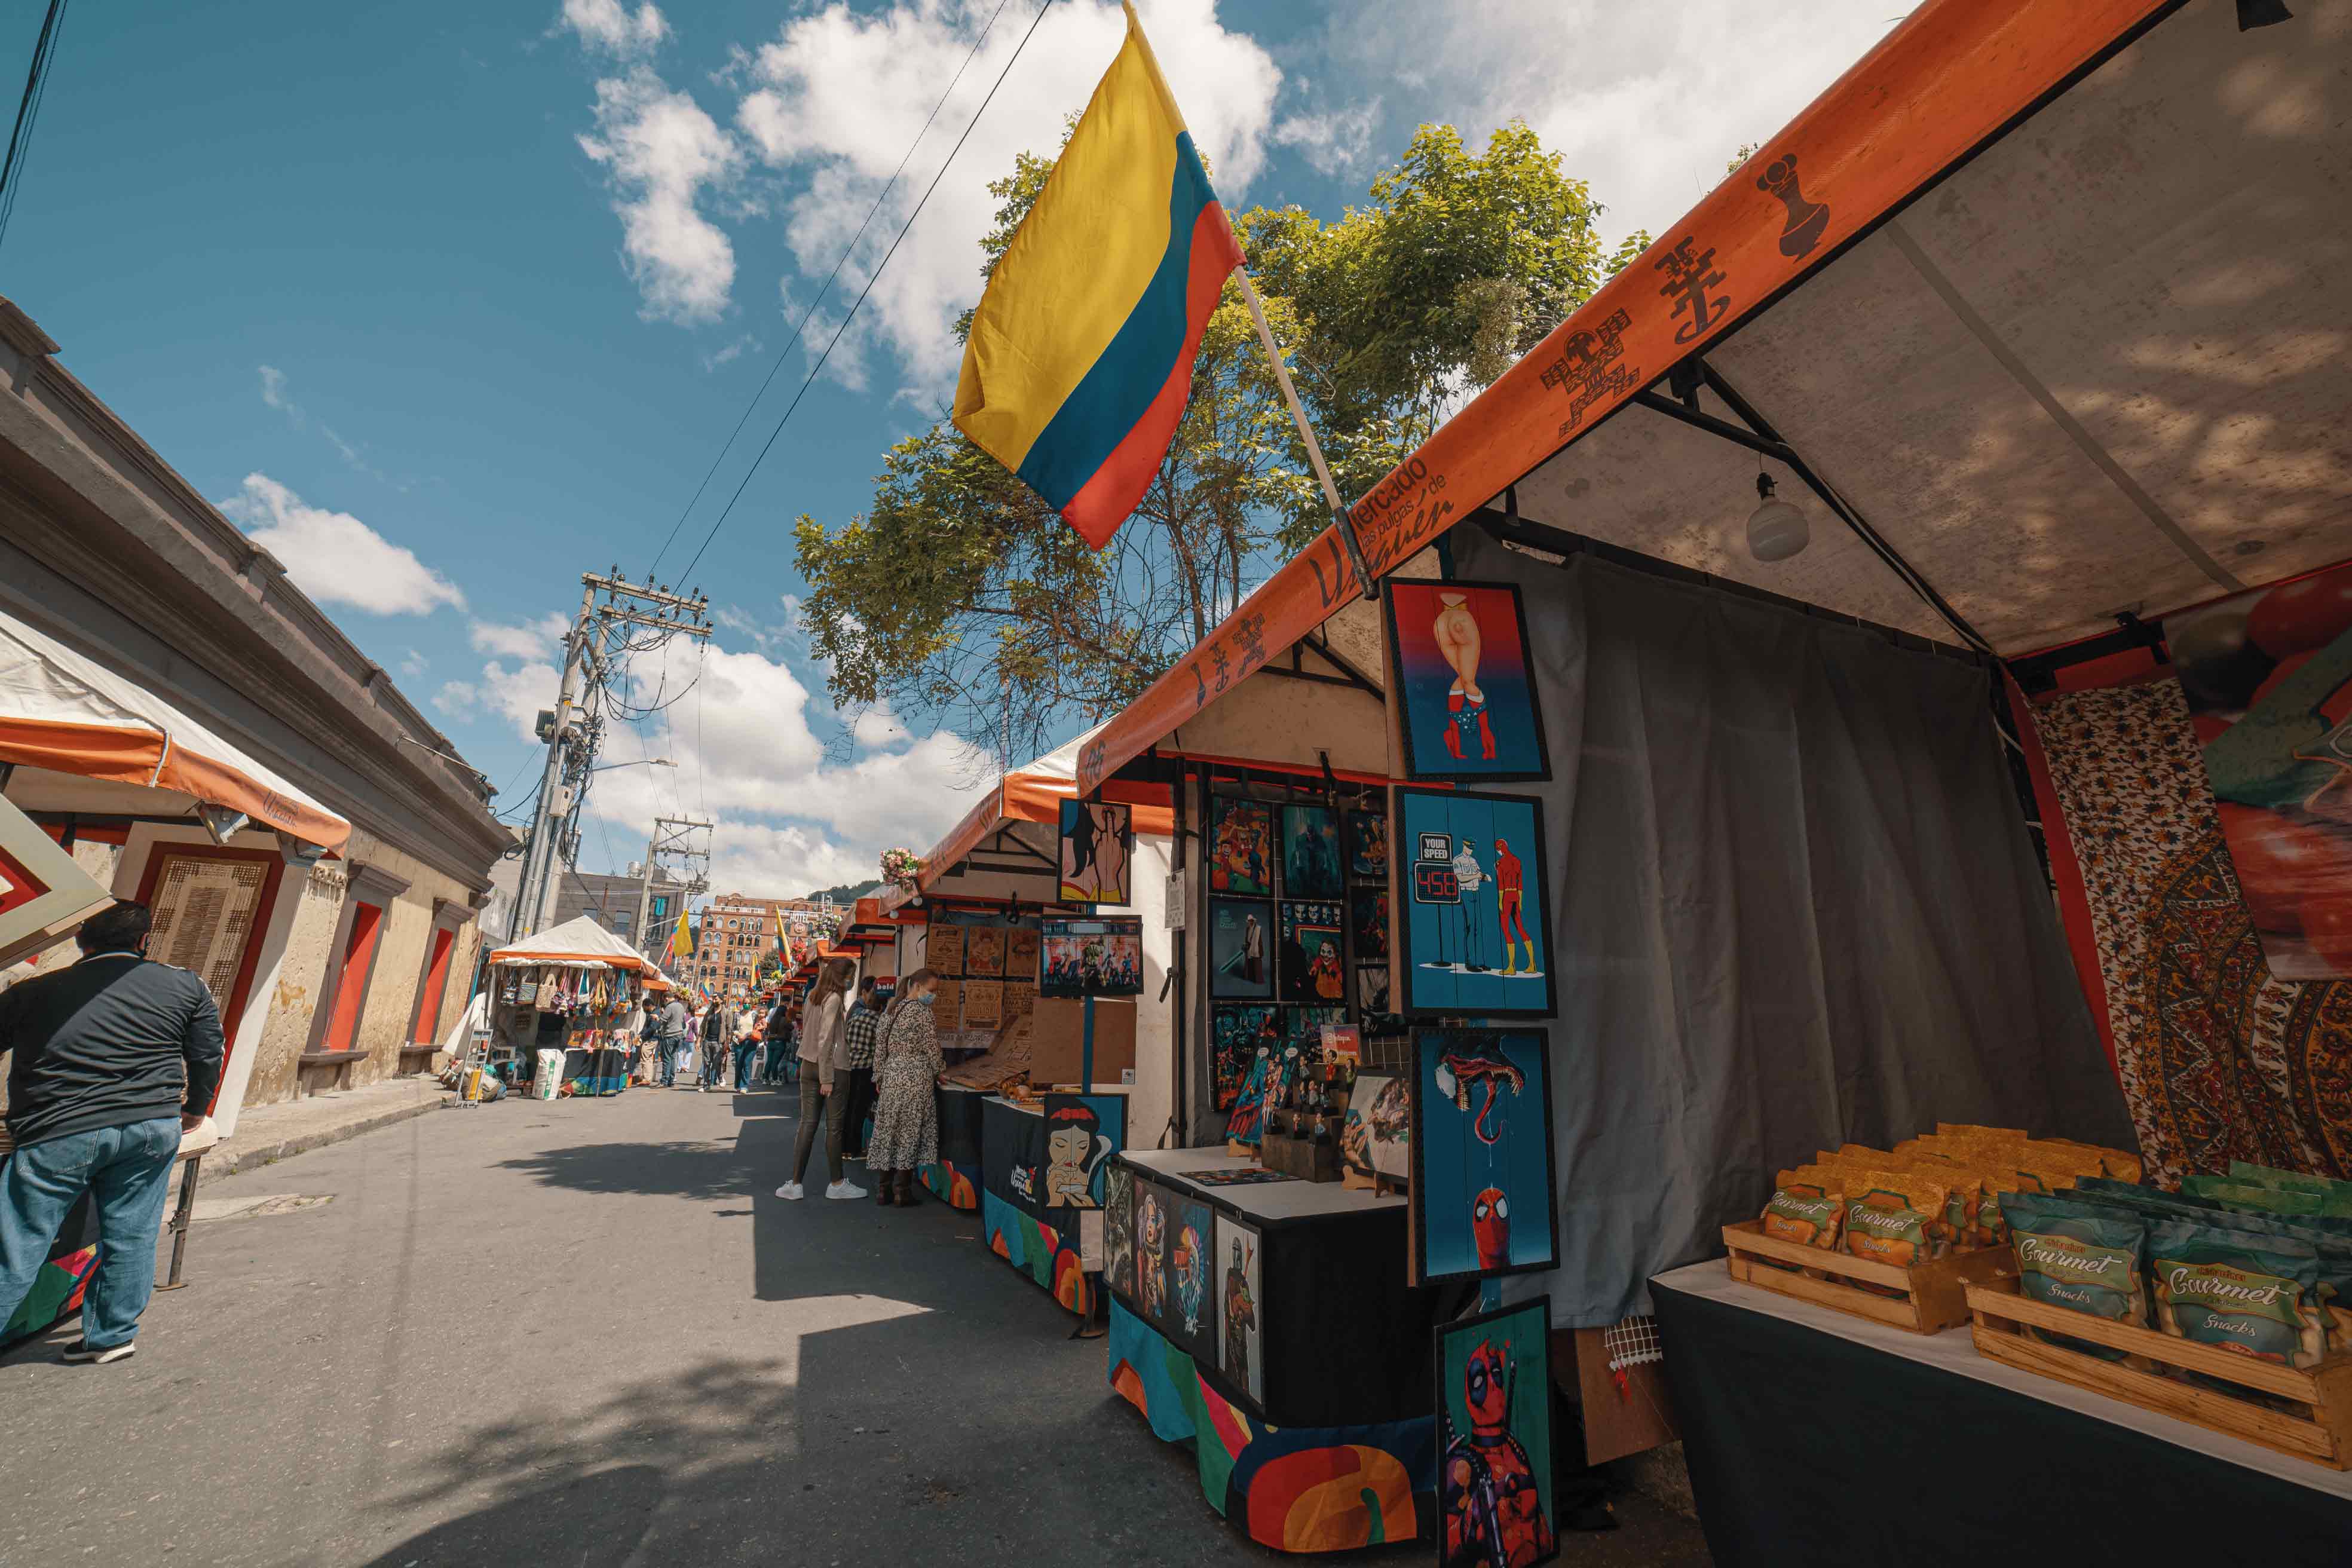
(1080, 358)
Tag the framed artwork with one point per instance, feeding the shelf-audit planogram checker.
(1483, 1195)
(1368, 923)
(1236, 1030)
(947, 1012)
(1118, 1229)
(983, 952)
(1192, 1298)
(1372, 992)
(1097, 957)
(1476, 927)
(1246, 1123)
(43, 893)
(943, 948)
(1465, 696)
(1367, 845)
(1241, 1310)
(1021, 946)
(1376, 1135)
(1154, 1231)
(1304, 1026)
(1235, 1177)
(983, 1003)
(1082, 1132)
(1310, 968)
(1241, 846)
(1241, 949)
(1096, 852)
(1495, 1503)
(1310, 852)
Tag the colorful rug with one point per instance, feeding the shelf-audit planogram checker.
(1295, 1490)
(2219, 1060)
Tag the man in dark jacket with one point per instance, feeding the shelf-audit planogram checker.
(714, 1042)
(112, 1057)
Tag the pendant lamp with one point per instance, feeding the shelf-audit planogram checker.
(1776, 529)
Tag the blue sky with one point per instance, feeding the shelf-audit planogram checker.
(446, 308)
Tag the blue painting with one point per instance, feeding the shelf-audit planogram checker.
(1482, 1195)
(1478, 927)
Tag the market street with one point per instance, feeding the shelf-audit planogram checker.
(665, 1363)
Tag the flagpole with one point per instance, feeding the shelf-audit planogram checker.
(1339, 519)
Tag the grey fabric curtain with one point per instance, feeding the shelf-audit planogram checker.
(1796, 906)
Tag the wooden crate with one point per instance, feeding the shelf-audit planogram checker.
(1299, 1157)
(1999, 1317)
(1934, 1294)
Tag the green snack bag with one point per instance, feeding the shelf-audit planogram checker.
(2255, 1295)
(2335, 1196)
(2084, 1256)
(2254, 1199)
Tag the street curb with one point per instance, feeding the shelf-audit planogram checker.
(252, 1157)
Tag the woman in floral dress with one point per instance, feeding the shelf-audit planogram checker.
(906, 1064)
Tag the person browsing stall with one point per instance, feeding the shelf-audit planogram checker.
(908, 1065)
(821, 1044)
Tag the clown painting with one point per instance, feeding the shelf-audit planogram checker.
(1495, 1503)
(1310, 968)
(1466, 694)
(1482, 1194)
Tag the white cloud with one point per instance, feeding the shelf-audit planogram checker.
(1643, 101)
(749, 758)
(334, 557)
(608, 24)
(840, 95)
(879, 727)
(274, 394)
(1332, 144)
(414, 665)
(661, 153)
(273, 391)
(516, 695)
(531, 639)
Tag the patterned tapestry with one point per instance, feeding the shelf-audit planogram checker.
(2219, 1060)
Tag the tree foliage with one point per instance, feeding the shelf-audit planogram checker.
(960, 597)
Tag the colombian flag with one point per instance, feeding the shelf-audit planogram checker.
(783, 941)
(1080, 358)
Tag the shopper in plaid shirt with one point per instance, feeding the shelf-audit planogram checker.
(859, 1033)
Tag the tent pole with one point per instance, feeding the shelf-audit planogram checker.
(1339, 520)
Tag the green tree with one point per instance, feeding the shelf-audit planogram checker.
(960, 597)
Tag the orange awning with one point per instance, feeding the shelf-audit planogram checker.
(70, 714)
(1950, 79)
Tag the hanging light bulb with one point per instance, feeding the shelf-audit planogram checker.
(1776, 529)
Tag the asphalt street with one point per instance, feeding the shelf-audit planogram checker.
(584, 1333)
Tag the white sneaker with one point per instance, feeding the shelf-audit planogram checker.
(790, 1190)
(845, 1189)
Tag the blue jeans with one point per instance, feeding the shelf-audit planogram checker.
(128, 1170)
(672, 1045)
(743, 1055)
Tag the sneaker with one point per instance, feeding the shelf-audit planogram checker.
(845, 1189)
(791, 1190)
(83, 1351)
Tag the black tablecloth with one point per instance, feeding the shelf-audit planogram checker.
(1807, 1447)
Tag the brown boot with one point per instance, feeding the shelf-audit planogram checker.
(886, 1188)
(905, 1189)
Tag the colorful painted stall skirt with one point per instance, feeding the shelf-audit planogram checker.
(64, 1278)
(1294, 1489)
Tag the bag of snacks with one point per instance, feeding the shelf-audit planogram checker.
(1808, 1213)
(1897, 1217)
(2253, 1294)
(2082, 1257)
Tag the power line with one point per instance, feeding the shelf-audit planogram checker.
(28, 109)
(818, 368)
(847, 250)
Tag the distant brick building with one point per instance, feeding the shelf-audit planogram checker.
(736, 937)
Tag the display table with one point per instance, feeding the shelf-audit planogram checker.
(1292, 1355)
(955, 1179)
(1040, 1197)
(1793, 1416)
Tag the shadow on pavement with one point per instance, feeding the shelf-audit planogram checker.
(699, 1170)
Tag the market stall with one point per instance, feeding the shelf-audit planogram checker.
(1712, 831)
(569, 991)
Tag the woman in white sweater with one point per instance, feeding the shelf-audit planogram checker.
(822, 1043)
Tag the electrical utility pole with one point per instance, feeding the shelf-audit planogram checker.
(672, 835)
(571, 730)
